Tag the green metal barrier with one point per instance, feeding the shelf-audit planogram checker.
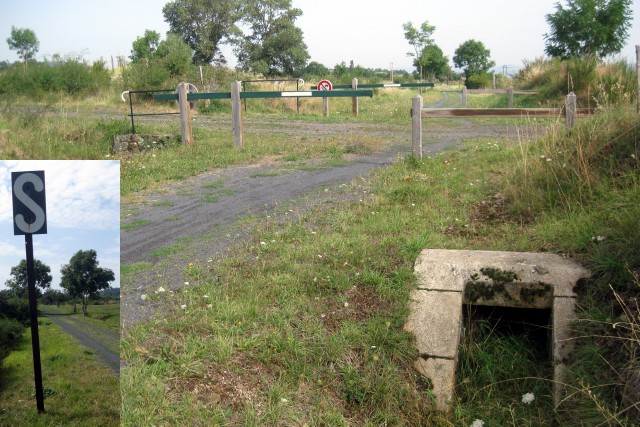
(273, 94)
(379, 85)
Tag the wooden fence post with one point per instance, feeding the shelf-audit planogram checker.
(325, 106)
(464, 97)
(416, 129)
(571, 110)
(236, 114)
(185, 114)
(510, 93)
(354, 100)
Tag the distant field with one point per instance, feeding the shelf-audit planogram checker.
(105, 315)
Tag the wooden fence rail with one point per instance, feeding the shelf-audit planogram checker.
(418, 112)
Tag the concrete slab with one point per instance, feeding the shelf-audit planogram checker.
(451, 269)
(442, 373)
(435, 321)
(446, 278)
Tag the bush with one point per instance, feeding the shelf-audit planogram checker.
(68, 76)
(10, 332)
(479, 81)
(12, 307)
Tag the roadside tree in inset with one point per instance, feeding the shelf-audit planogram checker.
(24, 42)
(588, 28)
(18, 281)
(204, 25)
(275, 46)
(83, 278)
(473, 58)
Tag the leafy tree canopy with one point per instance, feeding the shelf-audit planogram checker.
(145, 47)
(18, 282)
(433, 62)
(83, 278)
(473, 58)
(419, 39)
(588, 27)
(24, 42)
(275, 45)
(204, 25)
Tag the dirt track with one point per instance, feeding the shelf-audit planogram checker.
(214, 203)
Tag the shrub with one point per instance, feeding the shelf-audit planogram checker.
(479, 81)
(10, 331)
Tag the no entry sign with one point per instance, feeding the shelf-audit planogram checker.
(29, 203)
(325, 85)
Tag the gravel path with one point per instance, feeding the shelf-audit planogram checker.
(93, 338)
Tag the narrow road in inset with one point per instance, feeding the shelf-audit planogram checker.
(103, 343)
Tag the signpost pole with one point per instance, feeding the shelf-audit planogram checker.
(33, 310)
(29, 218)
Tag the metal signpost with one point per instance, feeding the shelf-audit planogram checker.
(29, 218)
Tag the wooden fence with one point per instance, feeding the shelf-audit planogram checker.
(418, 112)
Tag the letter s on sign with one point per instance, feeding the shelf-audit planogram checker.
(37, 210)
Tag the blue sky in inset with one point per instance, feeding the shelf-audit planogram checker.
(83, 212)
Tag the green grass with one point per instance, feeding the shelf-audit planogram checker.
(304, 323)
(128, 226)
(80, 391)
(106, 316)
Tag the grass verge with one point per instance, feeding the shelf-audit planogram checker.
(79, 391)
(304, 324)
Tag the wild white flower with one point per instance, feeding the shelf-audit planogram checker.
(144, 297)
(598, 238)
(186, 283)
(263, 243)
(477, 423)
(209, 305)
(205, 296)
(183, 306)
(528, 398)
(161, 289)
(346, 304)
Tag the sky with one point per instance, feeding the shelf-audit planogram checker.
(83, 212)
(369, 33)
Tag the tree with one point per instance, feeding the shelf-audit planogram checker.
(275, 45)
(174, 55)
(474, 58)
(145, 47)
(419, 39)
(82, 278)
(316, 69)
(24, 42)
(19, 282)
(433, 62)
(54, 296)
(588, 27)
(204, 25)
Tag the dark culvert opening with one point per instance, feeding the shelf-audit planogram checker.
(505, 352)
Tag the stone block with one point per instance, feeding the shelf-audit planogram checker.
(435, 321)
(442, 374)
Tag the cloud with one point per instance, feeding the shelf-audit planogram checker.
(81, 194)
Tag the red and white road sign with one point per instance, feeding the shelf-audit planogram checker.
(325, 85)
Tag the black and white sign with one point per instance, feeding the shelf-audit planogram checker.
(29, 203)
